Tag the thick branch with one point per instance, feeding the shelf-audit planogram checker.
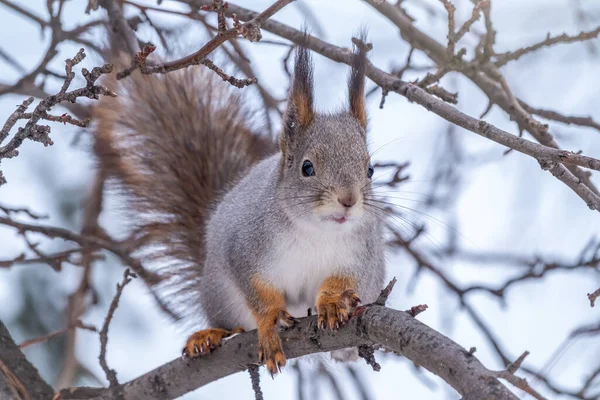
(18, 378)
(394, 330)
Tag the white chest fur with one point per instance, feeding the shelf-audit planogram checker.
(300, 262)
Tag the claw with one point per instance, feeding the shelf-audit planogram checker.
(202, 342)
(286, 320)
(335, 310)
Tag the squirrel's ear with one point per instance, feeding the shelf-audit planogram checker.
(356, 80)
(300, 112)
(300, 104)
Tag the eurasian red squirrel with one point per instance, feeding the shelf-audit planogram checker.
(251, 235)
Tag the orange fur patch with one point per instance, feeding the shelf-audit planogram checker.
(304, 111)
(358, 109)
(267, 309)
(335, 301)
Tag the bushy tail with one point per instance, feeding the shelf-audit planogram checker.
(175, 143)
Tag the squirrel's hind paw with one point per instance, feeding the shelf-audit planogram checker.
(272, 355)
(202, 342)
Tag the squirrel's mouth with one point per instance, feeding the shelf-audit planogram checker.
(339, 220)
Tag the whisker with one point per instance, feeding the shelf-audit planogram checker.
(437, 220)
(371, 155)
(398, 198)
(430, 238)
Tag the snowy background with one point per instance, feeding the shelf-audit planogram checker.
(502, 203)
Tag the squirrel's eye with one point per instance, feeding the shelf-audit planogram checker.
(370, 171)
(307, 168)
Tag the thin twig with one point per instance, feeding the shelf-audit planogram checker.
(120, 249)
(509, 375)
(593, 296)
(505, 58)
(43, 339)
(255, 379)
(40, 133)
(111, 375)
(466, 27)
(418, 309)
(239, 83)
(368, 354)
(565, 119)
(385, 293)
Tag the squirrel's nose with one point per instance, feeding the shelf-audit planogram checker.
(348, 200)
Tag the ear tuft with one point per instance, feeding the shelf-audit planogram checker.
(356, 81)
(301, 98)
(300, 110)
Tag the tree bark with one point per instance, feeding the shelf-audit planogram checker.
(19, 380)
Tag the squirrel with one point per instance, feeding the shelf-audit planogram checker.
(255, 233)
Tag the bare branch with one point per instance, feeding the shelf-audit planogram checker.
(504, 58)
(120, 249)
(239, 83)
(40, 133)
(250, 30)
(385, 293)
(25, 12)
(255, 379)
(565, 119)
(19, 380)
(450, 9)
(474, 18)
(509, 375)
(119, 25)
(111, 375)
(43, 339)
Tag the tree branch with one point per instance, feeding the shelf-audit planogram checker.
(117, 248)
(19, 380)
(250, 30)
(504, 58)
(394, 330)
(111, 374)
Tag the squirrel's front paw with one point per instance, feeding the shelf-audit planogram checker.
(271, 353)
(334, 310)
(202, 342)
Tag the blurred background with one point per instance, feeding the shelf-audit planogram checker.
(470, 217)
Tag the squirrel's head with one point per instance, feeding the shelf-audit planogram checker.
(326, 167)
